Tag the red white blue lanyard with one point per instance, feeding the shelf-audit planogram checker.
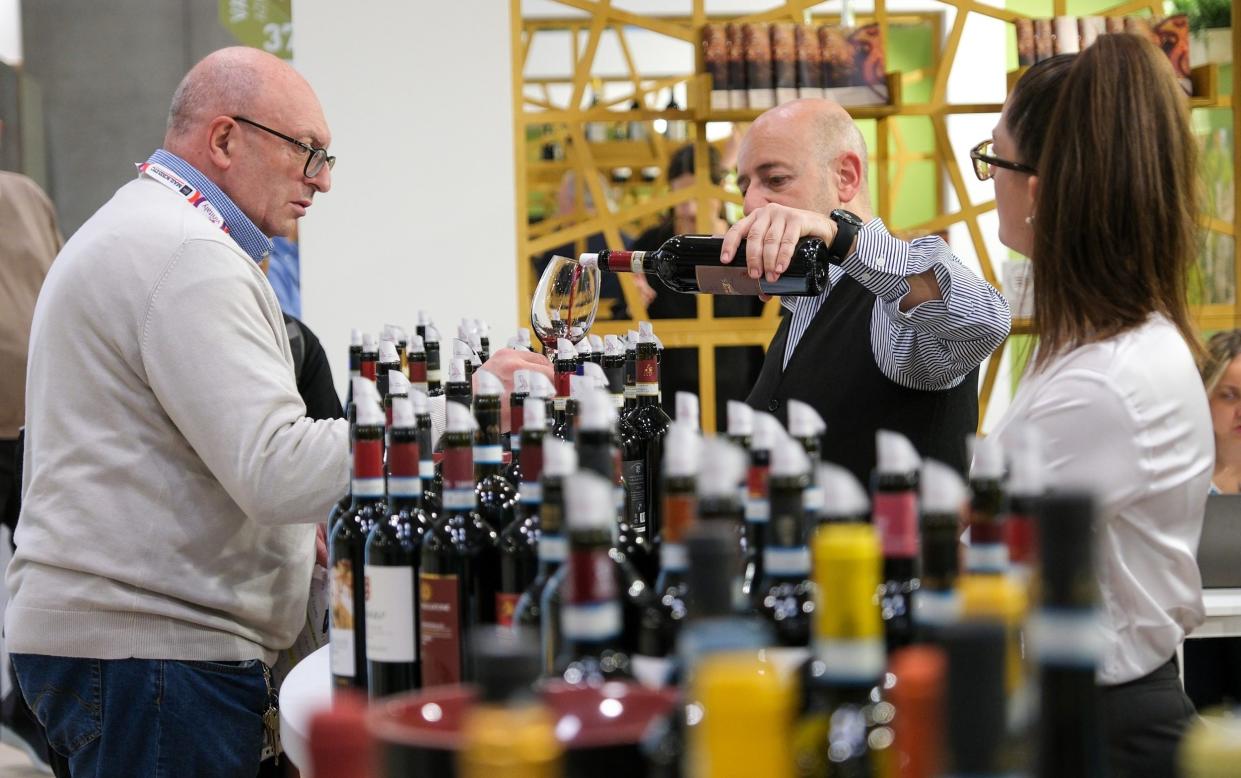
(182, 187)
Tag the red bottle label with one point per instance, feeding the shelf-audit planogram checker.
(439, 617)
(531, 458)
(458, 467)
(896, 517)
(517, 417)
(368, 459)
(622, 261)
(403, 459)
(591, 578)
(756, 482)
(562, 383)
(1020, 538)
(506, 606)
(368, 368)
(418, 372)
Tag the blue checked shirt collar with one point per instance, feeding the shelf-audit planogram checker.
(247, 235)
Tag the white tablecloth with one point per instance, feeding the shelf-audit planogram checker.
(306, 690)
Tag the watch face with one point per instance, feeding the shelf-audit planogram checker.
(841, 215)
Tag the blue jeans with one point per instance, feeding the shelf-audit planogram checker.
(149, 717)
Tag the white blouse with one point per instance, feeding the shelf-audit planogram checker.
(1127, 419)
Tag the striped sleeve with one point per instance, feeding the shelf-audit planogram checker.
(936, 344)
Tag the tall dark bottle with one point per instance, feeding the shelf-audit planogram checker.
(519, 542)
(896, 518)
(355, 361)
(435, 373)
(392, 551)
(987, 552)
(807, 427)
(591, 617)
(347, 543)
(497, 499)
(389, 360)
(426, 454)
(844, 499)
(1067, 644)
(401, 341)
(517, 420)
(691, 264)
(565, 366)
(642, 435)
(840, 724)
(785, 593)
(613, 364)
(542, 598)
(937, 603)
(723, 466)
(975, 701)
(416, 362)
(398, 386)
(631, 373)
(355, 371)
(459, 574)
(458, 388)
(1026, 485)
(757, 503)
(663, 616)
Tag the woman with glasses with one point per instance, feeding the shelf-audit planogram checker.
(1093, 162)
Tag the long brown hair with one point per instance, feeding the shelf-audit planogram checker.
(1115, 227)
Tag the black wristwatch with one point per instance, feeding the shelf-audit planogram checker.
(847, 226)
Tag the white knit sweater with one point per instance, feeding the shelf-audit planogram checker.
(171, 476)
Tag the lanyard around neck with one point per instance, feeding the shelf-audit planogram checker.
(182, 187)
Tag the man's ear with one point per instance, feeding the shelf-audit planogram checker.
(849, 176)
(221, 141)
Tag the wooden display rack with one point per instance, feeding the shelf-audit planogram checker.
(887, 159)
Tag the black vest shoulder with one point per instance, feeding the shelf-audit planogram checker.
(833, 369)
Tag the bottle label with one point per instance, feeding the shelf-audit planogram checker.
(673, 557)
(986, 557)
(757, 508)
(440, 633)
(340, 635)
(1019, 536)
(856, 660)
(935, 608)
(517, 420)
(679, 510)
(402, 460)
(786, 561)
(418, 372)
(562, 383)
(435, 375)
(1066, 637)
(531, 492)
(625, 261)
(653, 672)
(426, 468)
(506, 606)
(553, 548)
(458, 468)
(457, 499)
(488, 455)
(594, 622)
(720, 279)
(635, 492)
(812, 500)
(404, 486)
(647, 382)
(896, 518)
(390, 614)
(368, 468)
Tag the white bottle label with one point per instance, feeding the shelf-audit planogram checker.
(390, 614)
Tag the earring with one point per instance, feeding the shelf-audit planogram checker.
(1030, 219)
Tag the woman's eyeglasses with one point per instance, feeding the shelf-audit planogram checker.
(985, 162)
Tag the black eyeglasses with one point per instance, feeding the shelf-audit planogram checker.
(317, 157)
(985, 161)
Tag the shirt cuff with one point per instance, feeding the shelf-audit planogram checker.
(881, 262)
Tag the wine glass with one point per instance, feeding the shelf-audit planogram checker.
(565, 301)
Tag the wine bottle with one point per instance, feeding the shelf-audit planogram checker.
(347, 544)
(844, 499)
(484, 339)
(613, 364)
(459, 571)
(663, 616)
(424, 321)
(388, 361)
(542, 597)
(392, 550)
(723, 466)
(497, 499)
(519, 542)
(1066, 640)
(400, 341)
(937, 603)
(806, 426)
(1026, 485)
(585, 353)
(435, 374)
(596, 349)
(398, 386)
(355, 371)
(465, 352)
(687, 411)
(458, 389)
(642, 440)
(508, 731)
(691, 264)
(516, 415)
(896, 518)
(631, 373)
(565, 366)
(843, 725)
(564, 425)
(340, 745)
(918, 698)
(355, 362)
(591, 618)
(785, 593)
(975, 700)
(987, 552)
(370, 356)
(416, 360)
(426, 455)
(757, 505)
(747, 709)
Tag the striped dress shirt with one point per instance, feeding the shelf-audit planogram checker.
(933, 345)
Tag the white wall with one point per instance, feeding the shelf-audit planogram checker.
(422, 208)
(11, 31)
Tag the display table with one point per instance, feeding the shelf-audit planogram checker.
(1223, 614)
(306, 689)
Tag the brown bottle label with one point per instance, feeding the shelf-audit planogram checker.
(439, 618)
(725, 280)
(679, 510)
(506, 606)
(340, 636)
(418, 371)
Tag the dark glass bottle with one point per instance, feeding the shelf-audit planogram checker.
(435, 373)
(565, 366)
(757, 500)
(807, 427)
(497, 498)
(843, 713)
(392, 550)
(937, 603)
(388, 361)
(663, 616)
(1070, 740)
(517, 421)
(1026, 486)
(484, 339)
(987, 552)
(724, 466)
(613, 363)
(458, 389)
(347, 544)
(459, 574)
(691, 264)
(426, 454)
(520, 540)
(543, 596)
(642, 437)
(631, 373)
(596, 349)
(355, 371)
(355, 362)
(896, 518)
(975, 701)
(416, 359)
(785, 593)
(370, 357)
(398, 386)
(591, 618)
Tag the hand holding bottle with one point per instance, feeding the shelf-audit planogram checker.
(507, 361)
(771, 233)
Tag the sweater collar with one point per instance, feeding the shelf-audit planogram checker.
(247, 235)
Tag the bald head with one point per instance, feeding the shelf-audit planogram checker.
(824, 126)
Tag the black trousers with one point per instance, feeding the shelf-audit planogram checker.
(1143, 721)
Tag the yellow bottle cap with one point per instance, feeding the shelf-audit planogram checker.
(847, 565)
(746, 721)
(1211, 748)
(516, 742)
(992, 596)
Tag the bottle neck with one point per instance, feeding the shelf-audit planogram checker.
(553, 545)
(896, 518)
(785, 554)
(426, 454)
(757, 507)
(458, 471)
(368, 472)
(404, 484)
(591, 611)
(488, 452)
(646, 372)
(418, 371)
(435, 373)
(631, 261)
(517, 416)
(370, 361)
(531, 458)
(565, 368)
(680, 507)
(987, 552)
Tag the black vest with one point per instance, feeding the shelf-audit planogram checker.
(833, 369)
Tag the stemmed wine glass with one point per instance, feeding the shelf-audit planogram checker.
(565, 301)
